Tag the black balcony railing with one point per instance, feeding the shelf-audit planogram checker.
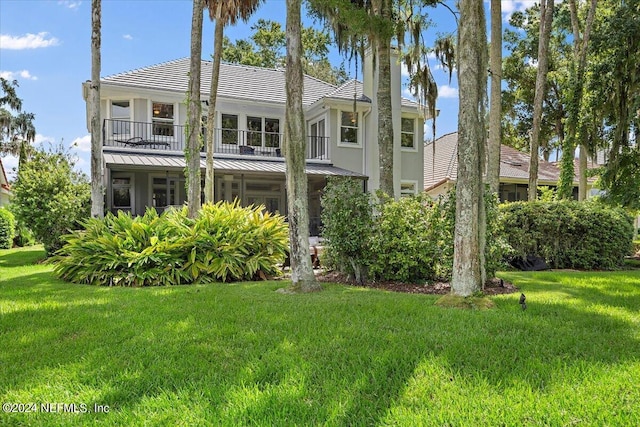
(164, 136)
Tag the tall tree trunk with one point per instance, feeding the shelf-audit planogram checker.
(495, 110)
(472, 47)
(194, 111)
(383, 94)
(294, 150)
(97, 196)
(580, 43)
(546, 21)
(209, 187)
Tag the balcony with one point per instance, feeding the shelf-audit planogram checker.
(169, 137)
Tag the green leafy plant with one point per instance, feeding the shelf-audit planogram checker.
(50, 198)
(224, 242)
(7, 228)
(569, 234)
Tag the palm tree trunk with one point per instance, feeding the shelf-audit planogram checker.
(385, 118)
(546, 19)
(468, 270)
(194, 111)
(294, 150)
(495, 110)
(209, 187)
(97, 196)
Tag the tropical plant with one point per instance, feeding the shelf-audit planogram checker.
(16, 126)
(224, 242)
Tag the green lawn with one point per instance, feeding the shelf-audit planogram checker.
(243, 354)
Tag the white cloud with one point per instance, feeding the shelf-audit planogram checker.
(28, 41)
(509, 7)
(127, 37)
(70, 4)
(82, 143)
(446, 91)
(406, 93)
(13, 75)
(42, 139)
(404, 71)
(10, 164)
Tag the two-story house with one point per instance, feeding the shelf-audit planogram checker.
(144, 115)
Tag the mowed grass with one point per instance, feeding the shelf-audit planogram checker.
(242, 354)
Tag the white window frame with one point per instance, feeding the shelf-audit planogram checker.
(219, 141)
(408, 193)
(358, 143)
(163, 121)
(316, 122)
(413, 148)
(123, 118)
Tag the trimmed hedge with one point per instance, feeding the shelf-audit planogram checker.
(7, 228)
(224, 243)
(569, 234)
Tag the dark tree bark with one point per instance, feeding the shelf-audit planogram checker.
(97, 192)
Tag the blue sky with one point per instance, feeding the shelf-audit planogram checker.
(45, 46)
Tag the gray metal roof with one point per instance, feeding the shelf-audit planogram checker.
(236, 81)
(148, 161)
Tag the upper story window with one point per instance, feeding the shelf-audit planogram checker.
(349, 127)
(121, 116)
(263, 132)
(162, 119)
(229, 126)
(408, 133)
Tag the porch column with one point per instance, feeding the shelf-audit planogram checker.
(228, 188)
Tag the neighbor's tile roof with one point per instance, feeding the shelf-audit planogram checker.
(514, 164)
(220, 164)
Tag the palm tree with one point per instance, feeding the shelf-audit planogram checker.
(495, 113)
(546, 19)
(224, 12)
(194, 112)
(97, 196)
(302, 276)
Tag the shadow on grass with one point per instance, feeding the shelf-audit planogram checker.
(21, 257)
(340, 357)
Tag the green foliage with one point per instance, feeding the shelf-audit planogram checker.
(50, 198)
(569, 234)
(267, 48)
(347, 216)
(410, 239)
(7, 228)
(223, 243)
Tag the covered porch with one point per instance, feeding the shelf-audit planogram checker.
(135, 182)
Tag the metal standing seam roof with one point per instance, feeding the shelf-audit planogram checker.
(238, 82)
(514, 164)
(228, 165)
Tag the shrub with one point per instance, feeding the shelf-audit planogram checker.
(225, 242)
(7, 228)
(50, 198)
(411, 240)
(347, 218)
(569, 234)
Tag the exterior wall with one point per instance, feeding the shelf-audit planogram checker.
(4, 197)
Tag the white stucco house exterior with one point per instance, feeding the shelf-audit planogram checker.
(144, 113)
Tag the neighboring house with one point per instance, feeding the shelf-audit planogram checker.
(144, 114)
(440, 170)
(5, 188)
